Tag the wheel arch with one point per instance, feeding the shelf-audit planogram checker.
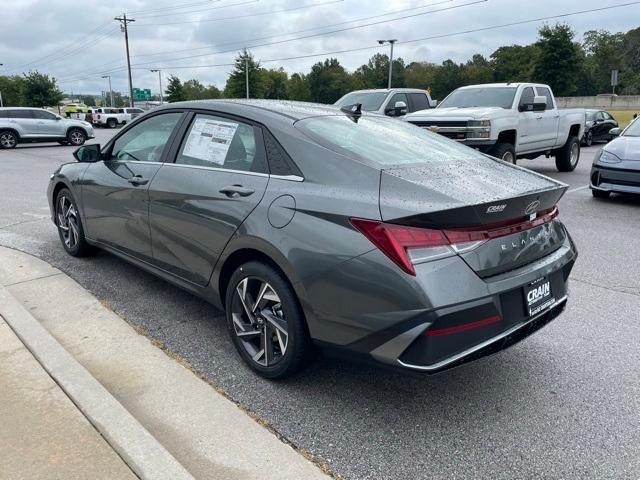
(12, 130)
(508, 136)
(76, 127)
(574, 130)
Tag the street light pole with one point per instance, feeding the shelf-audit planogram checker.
(160, 81)
(246, 74)
(390, 42)
(110, 90)
(1, 104)
(124, 21)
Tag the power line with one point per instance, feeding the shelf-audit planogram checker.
(201, 10)
(173, 7)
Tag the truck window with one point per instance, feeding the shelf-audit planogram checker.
(527, 96)
(398, 97)
(418, 101)
(544, 91)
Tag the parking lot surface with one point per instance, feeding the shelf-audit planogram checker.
(562, 404)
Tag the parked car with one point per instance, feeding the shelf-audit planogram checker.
(131, 112)
(74, 108)
(598, 124)
(616, 166)
(395, 102)
(109, 117)
(28, 125)
(310, 225)
(508, 121)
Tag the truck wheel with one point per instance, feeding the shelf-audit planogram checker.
(112, 123)
(588, 138)
(567, 156)
(504, 151)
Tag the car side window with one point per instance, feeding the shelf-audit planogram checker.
(599, 116)
(544, 91)
(607, 116)
(419, 101)
(527, 97)
(219, 142)
(147, 140)
(20, 114)
(43, 115)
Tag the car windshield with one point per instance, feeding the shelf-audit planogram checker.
(633, 130)
(371, 101)
(480, 97)
(385, 141)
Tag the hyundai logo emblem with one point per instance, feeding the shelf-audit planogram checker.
(532, 207)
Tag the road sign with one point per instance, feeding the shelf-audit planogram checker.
(142, 94)
(614, 78)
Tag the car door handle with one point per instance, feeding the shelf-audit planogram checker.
(138, 180)
(237, 191)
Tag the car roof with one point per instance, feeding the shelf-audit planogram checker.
(22, 108)
(504, 84)
(394, 90)
(260, 109)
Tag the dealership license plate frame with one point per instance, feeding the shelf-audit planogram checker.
(542, 301)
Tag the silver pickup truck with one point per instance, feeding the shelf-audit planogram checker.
(508, 121)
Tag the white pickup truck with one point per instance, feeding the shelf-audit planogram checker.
(508, 121)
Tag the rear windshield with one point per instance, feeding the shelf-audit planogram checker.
(385, 141)
(371, 101)
(480, 97)
(633, 130)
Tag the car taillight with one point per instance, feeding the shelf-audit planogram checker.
(406, 245)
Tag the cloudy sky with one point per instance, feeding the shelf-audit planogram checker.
(78, 41)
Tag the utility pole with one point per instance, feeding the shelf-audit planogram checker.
(1, 104)
(110, 90)
(246, 74)
(390, 42)
(124, 21)
(159, 80)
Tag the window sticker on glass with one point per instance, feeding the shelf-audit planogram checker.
(209, 140)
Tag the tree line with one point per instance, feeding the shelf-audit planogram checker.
(556, 58)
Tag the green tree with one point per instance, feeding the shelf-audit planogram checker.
(40, 90)
(12, 90)
(88, 100)
(174, 91)
(447, 78)
(298, 87)
(630, 76)
(275, 84)
(193, 90)
(477, 70)
(328, 81)
(375, 73)
(212, 92)
(513, 63)
(604, 52)
(236, 83)
(559, 61)
(420, 75)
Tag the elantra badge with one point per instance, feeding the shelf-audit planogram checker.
(496, 208)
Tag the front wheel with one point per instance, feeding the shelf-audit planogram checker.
(265, 321)
(112, 123)
(8, 139)
(76, 137)
(70, 225)
(504, 151)
(567, 157)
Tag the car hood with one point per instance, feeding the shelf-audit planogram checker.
(76, 122)
(625, 148)
(471, 113)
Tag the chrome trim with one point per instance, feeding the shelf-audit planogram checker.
(291, 178)
(480, 346)
(215, 169)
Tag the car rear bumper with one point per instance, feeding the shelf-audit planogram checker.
(621, 180)
(445, 316)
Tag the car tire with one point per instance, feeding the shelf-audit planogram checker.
(76, 137)
(600, 193)
(69, 224)
(505, 152)
(568, 156)
(588, 138)
(112, 123)
(263, 310)
(8, 139)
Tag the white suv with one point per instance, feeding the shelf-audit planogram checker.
(24, 125)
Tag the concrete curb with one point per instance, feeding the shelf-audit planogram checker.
(146, 457)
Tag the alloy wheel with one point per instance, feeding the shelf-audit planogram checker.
(508, 157)
(258, 321)
(589, 140)
(68, 222)
(575, 154)
(76, 137)
(7, 140)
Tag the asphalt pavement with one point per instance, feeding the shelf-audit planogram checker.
(563, 404)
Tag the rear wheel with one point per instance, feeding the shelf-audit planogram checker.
(504, 151)
(600, 193)
(588, 138)
(70, 225)
(112, 123)
(76, 137)
(8, 139)
(265, 321)
(568, 156)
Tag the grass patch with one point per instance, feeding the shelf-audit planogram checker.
(623, 117)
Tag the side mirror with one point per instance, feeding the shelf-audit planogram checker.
(539, 103)
(615, 132)
(88, 153)
(434, 103)
(58, 117)
(400, 108)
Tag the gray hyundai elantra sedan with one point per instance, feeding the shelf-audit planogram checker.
(315, 226)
